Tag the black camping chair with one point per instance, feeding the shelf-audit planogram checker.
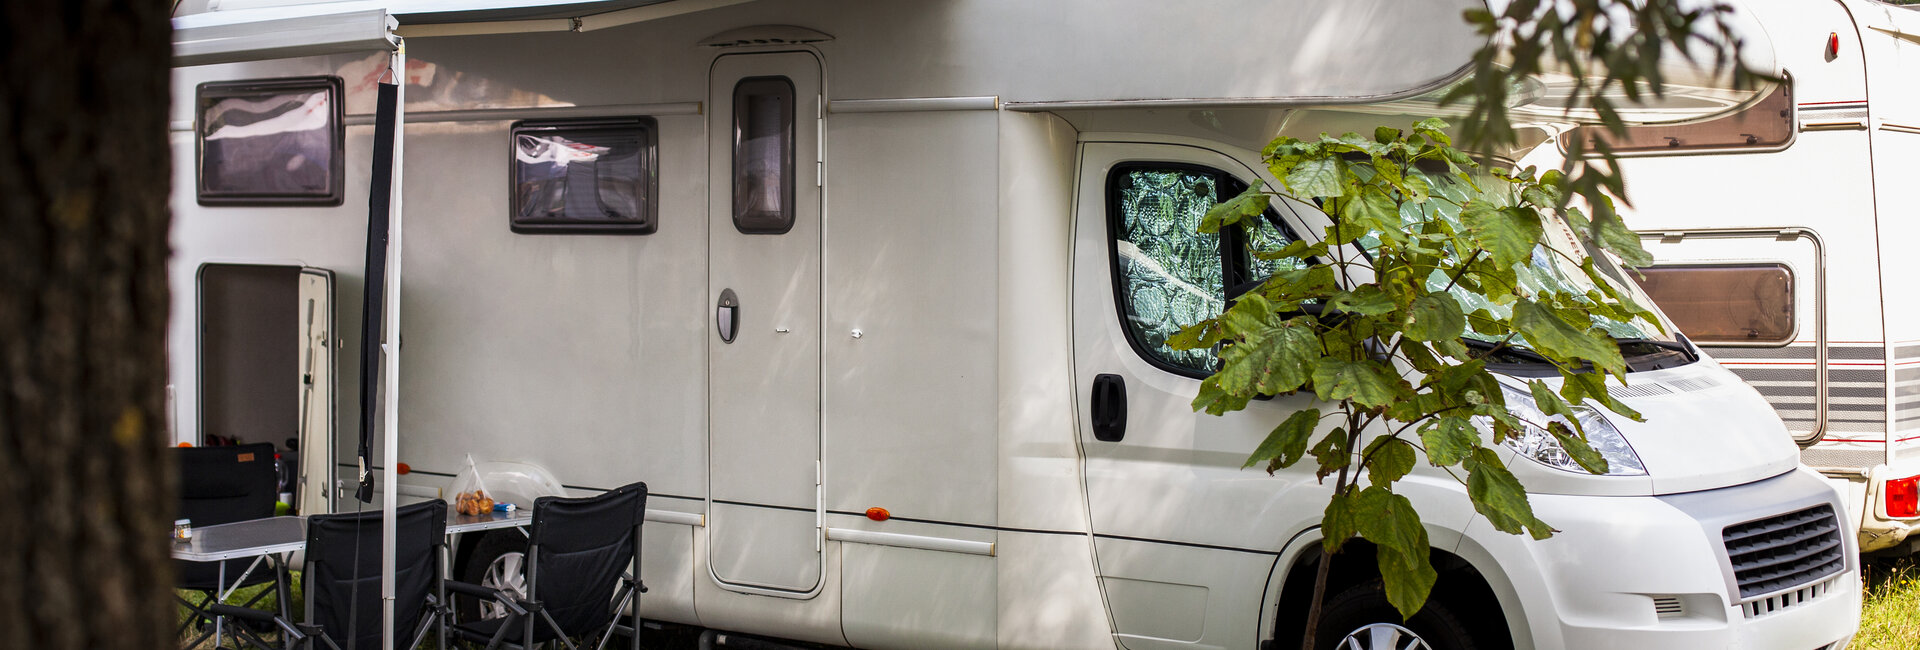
(578, 555)
(222, 485)
(343, 579)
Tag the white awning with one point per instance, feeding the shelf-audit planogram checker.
(209, 38)
(244, 30)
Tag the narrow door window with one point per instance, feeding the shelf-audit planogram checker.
(763, 122)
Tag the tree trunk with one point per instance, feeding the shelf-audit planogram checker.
(83, 317)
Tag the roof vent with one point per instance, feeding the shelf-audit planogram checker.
(762, 35)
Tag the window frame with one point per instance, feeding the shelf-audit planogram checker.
(1793, 300)
(789, 184)
(645, 223)
(336, 167)
(1233, 256)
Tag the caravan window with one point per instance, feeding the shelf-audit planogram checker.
(763, 155)
(585, 176)
(1725, 303)
(1167, 274)
(270, 142)
(1767, 125)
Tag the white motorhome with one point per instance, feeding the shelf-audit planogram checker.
(1778, 232)
(836, 280)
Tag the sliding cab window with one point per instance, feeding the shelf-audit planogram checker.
(1728, 304)
(585, 176)
(270, 142)
(1768, 125)
(763, 123)
(1167, 274)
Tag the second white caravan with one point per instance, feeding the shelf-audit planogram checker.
(837, 281)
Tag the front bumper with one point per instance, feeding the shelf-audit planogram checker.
(1649, 573)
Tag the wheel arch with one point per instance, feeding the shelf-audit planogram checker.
(1463, 578)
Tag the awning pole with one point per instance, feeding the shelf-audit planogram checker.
(389, 487)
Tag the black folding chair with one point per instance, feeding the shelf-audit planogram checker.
(222, 485)
(578, 555)
(343, 579)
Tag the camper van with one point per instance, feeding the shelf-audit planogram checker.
(836, 280)
(1777, 233)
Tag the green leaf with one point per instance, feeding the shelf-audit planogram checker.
(1550, 403)
(1217, 401)
(1270, 361)
(1580, 387)
(1388, 459)
(1497, 495)
(1372, 211)
(1385, 134)
(1198, 336)
(1364, 382)
(1612, 233)
(1390, 522)
(1434, 317)
(1408, 580)
(1366, 300)
(1249, 203)
(1449, 439)
(1337, 522)
(1576, 446)
(1332, 453)
(1556, 339)
(1507, 234)
(1288, 442)
(1316, 177)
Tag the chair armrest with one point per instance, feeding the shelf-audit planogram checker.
(235, 611)
(512, 604)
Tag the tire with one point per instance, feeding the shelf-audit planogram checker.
(498, 561)
(1362, 611)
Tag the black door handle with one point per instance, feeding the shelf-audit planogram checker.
(726, 316)
(1109, 408)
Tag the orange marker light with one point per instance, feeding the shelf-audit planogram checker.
(402, 468)
(1833, 45)
(878, 514)
(186, 444)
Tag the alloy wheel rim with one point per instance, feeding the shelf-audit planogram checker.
(1383, 636)
(506, 573)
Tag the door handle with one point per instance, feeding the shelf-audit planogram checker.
(726, 315)
(1109, 408)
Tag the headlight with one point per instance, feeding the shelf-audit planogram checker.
(1536, 443)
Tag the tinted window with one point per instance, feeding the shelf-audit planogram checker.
(270, 142)
(584, 176)
(1167, 274)
(1766, 125)
(763, 155)
(1725, 303)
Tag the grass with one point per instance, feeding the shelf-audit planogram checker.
(1890, 617)
(269, 602)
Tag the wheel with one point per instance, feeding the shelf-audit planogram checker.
(1360, 618)
(499, 561)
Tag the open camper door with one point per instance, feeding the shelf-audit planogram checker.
(764, 518)
(266, 370)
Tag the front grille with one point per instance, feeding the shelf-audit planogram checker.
(1785, 551)
(1759, 607)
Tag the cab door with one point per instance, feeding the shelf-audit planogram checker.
(764, 522)
(1184, 538)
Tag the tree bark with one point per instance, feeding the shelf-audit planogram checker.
(84, 173)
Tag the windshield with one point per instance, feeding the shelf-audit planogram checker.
(1554, 267)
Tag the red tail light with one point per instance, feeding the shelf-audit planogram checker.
(1903, 497)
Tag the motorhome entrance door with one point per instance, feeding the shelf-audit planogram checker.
(763, 511)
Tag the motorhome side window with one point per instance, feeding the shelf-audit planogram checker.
(270, 142)
(1725, 303)
(763, 122)
(1768, 124)
(585, 176)
(1169, 275)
